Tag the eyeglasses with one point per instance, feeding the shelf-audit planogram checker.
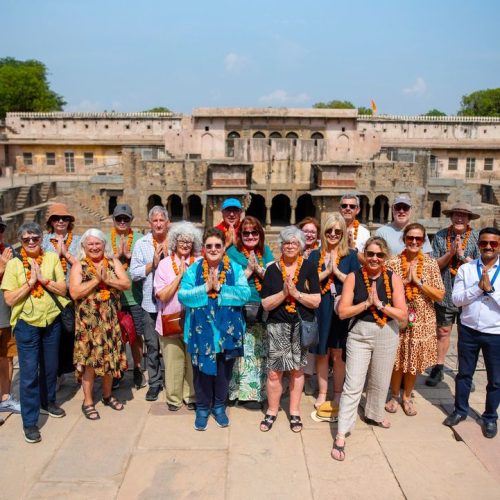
(57, 218)
(418, 239)
(122, 218)
(484, 244)
(34, 239)
(310, 232)
(336, 232)
(247, 234)
(348, 205)
(401, 207)
(210, 246)
(186, 243)
(379, 255)
(292, 243)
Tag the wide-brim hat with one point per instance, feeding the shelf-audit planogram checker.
(59, 209)
(463, 207)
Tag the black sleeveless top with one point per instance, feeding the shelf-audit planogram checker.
(361, 293)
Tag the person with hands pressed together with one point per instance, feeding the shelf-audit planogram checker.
(36, 325)
(291, 287)
(231, 215)
(96, 282)
(374, 297)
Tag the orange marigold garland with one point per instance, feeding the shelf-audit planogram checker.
(130, 238)
(37, 290)
(104, 292)
(260, 261)
(290, 305)
(454, 263)
(222, 276)
(355, 225)
(174, 264)
(329, 282)
(381, 320)
(64, 261)
(411, 290)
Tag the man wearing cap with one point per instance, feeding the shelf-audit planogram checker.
(7, 342)
(146, 255)
(451, 247)
(393, 232)
(231, 217)
(477, 292)
(357, 235)
(123, 239)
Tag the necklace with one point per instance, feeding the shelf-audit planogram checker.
(355, 225)
(64, 261)
(454, 263)
(412, 291)
(329, 282)
(130, 237)
(37, 290)
(104, 292)
(290, 301)
(222, 276)
(174, 264)
(381, 320)
(256, 277)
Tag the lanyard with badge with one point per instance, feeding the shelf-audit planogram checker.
(480, 274)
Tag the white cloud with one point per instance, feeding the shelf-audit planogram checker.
(234, 62)
(418, 88)
(282, 96)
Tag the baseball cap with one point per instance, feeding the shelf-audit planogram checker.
(404, 199)
(231, 202)
(123, 209)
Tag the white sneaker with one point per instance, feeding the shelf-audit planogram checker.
(10, 405)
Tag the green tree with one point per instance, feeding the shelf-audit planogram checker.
(434, 112)
(481, 103)
(24, 87)
(335, 104)
(362, 110)
(158, 109)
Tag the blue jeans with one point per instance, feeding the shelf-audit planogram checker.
(38, 352)
(470, 342)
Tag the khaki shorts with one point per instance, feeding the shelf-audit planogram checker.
(8, 347)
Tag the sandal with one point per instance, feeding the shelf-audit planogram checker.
(392, 405)
(409, 407)
(295, 423)
(90, 412)
(113, 403)
(385, 424)
(339, 449)
(267, 424)
(319, 401)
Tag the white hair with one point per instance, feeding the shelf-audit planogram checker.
(158, 209)
(350, 196)
(292, 232)
(96, 233)
(187, 230)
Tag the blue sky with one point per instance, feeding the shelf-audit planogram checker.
(128, 55)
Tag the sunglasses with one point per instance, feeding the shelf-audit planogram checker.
(210, 246)
(34, 239)
(485, 244)
(122, 218)
(401, 207)
(336, 232)
(418, 239)
(379, 255)
(57, 218)
(348, 205)
(247, 234)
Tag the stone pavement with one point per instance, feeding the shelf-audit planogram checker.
(147, 452)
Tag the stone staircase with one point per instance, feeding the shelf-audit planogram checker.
(44, 191)
(22, 197)
(93, 212)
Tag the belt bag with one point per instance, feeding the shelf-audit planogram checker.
(252, 313)
(309, 332)
(67, 313)
(172, 324)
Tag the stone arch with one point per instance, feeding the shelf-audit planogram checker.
(195, 208)
(343, 143)
(436, 209)
(259, 135)
(317, 135)
(275, 135)
(364, 212)
(292, 135)
(381, 209)
(280, 210)
(230, 143)
(174, 207)
(207, 145)
(305, 207)
(257, 208)
(153, 201)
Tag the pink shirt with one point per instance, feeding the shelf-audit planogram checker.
(164, 275)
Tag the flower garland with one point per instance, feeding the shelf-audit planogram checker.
(174, 264)
(37, 290)
(329, 282)
(64, 261)
(260, 261)
(104, 292)
(412, 291)
(290, 301)
(130, 238)
(380, 320)
(454, 268)
(222, 275)
(355, 225)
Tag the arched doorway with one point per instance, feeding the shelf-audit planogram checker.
(436, 209)
(364, 212)
(174, 207)
(259, 135)
(381, 210)
(195, 208)
(230, 143)
(257, 208)
(280, 211)
(305, 207)
(153, 201)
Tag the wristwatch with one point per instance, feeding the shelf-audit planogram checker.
(381, 306)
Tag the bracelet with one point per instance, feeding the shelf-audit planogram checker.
(300, 295)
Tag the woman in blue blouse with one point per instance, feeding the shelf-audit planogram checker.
(334, 262)
(213, 290)
(249, 373)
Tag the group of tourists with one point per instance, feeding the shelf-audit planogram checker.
(220, 320)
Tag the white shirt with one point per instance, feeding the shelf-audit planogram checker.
(480, 311)
(363, 236)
